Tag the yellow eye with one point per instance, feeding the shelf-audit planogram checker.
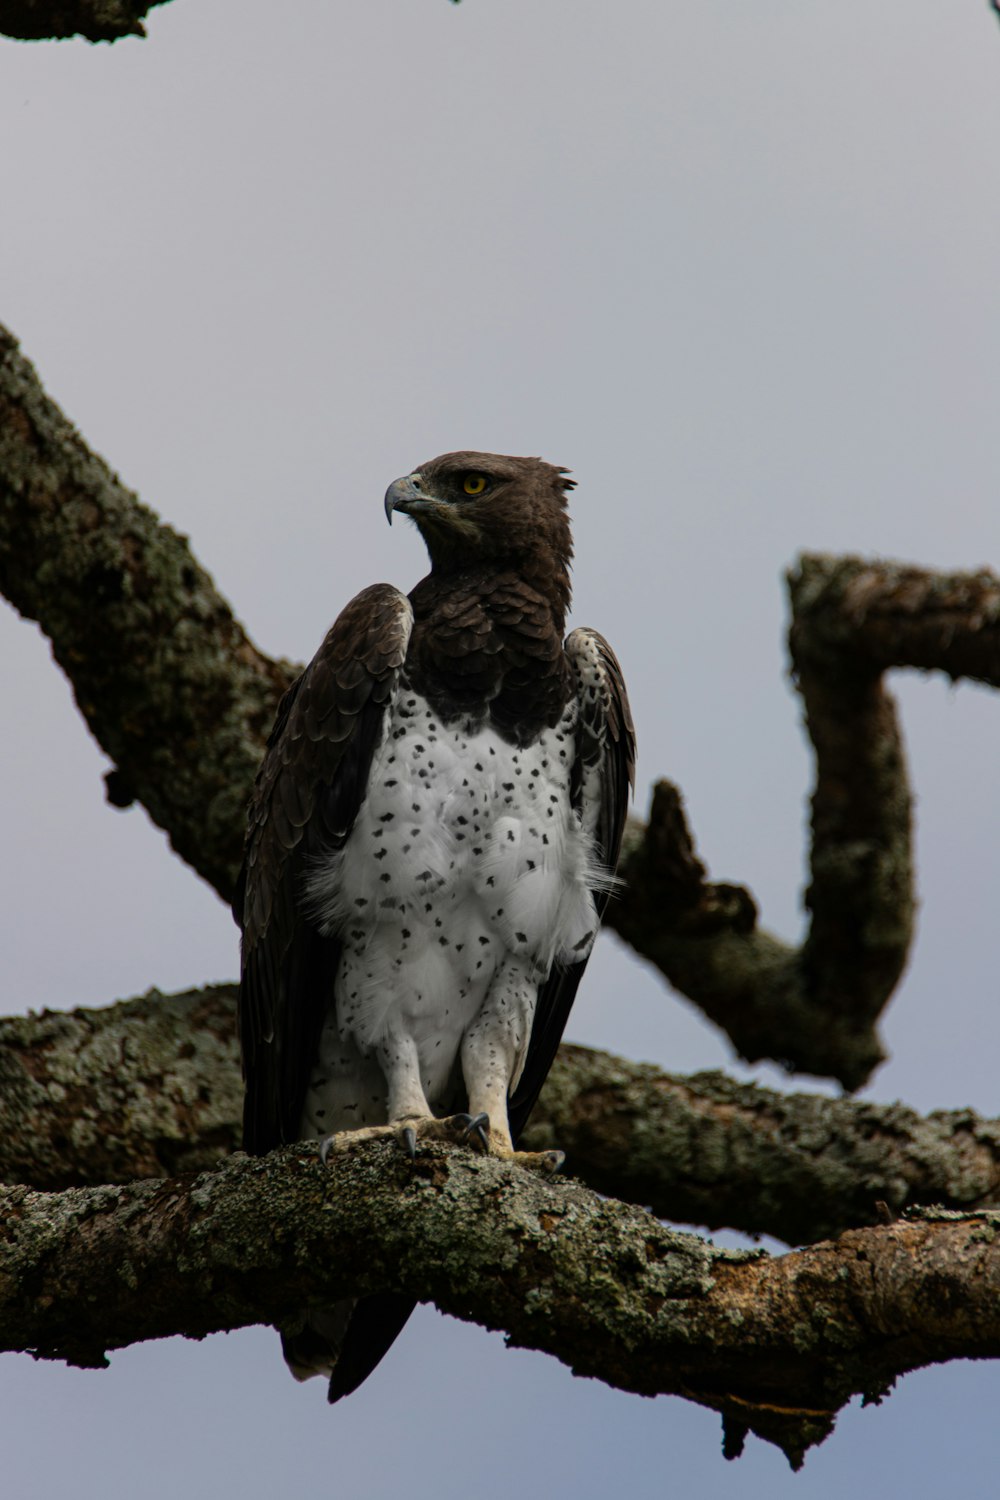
(474, 484)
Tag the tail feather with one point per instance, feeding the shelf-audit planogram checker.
(345, 1342)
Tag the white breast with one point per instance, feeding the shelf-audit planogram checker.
(465, 850)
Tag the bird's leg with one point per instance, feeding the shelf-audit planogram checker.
(493, 1053)
(410, 1117)
(492, 1129)
(407, 1108)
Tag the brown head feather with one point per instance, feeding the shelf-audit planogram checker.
(519, 520)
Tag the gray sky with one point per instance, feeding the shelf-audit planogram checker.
(736, 266)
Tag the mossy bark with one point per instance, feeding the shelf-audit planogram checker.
(150, 1087)
(777, 1345)
(55, 20)
(168, 682)
(181, 701)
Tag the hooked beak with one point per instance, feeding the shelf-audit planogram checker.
(404, 494)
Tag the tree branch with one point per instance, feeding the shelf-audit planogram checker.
(851, 621)
(54, 20)
(151, 1087)
(168, 682)
(705, 939)
(885, 614)
(861, 894)
(776, 1345)
(800, 1167)
(161, 670)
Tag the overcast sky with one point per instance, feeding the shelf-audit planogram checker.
(736, 265)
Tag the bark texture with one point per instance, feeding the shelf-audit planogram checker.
(150, 1088)
(168, 682)
(704, 937)
(54, 20)
(181, 700)
(816, 1008)
(161, 670)
(146, 1088)
(776, 1345)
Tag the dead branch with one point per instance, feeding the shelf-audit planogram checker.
(816, 1008)
(704, 938)
(54, 20)
(776, 1345)
(881, 615)
(168, 682)
(151, 1087)
(181, 700)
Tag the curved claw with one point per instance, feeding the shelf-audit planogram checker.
(324, 1150)
(479, 1126)
(409, 1138)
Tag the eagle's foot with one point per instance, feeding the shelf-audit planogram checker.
(538, 1161)
(457, 1130)
(474, 1127)
(406, 1131)
(500, 1145)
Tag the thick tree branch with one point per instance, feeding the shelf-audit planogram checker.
(850, 622)
(884, 614)
(705, 939)
(54, 20)
(777, 1345)
(181, 700)
(168, 682)
(800, 1167)
(151, 1087)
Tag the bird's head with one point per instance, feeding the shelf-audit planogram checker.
(474, 508)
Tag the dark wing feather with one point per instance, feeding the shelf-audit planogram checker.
(306, 797)
(605, 746)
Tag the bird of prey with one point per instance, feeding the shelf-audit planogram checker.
(432, 839)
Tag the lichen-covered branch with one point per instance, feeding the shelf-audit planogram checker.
(860, 897)
(852, 621)
(181, 700)
(887, 614)
(816, 1008)
(168, 682)
(777, 1345)
(150, 1087)
(800, 1167)
(705, 939)
(54, 20)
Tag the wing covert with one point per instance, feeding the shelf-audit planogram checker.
(306, 797)
(603, 778)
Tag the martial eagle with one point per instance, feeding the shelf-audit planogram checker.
(432, 838)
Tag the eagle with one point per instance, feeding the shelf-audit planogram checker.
(431, 841)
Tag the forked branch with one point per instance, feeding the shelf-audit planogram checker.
(55, 20)
(181, 700)
(151, 1087)
(777, 1345)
